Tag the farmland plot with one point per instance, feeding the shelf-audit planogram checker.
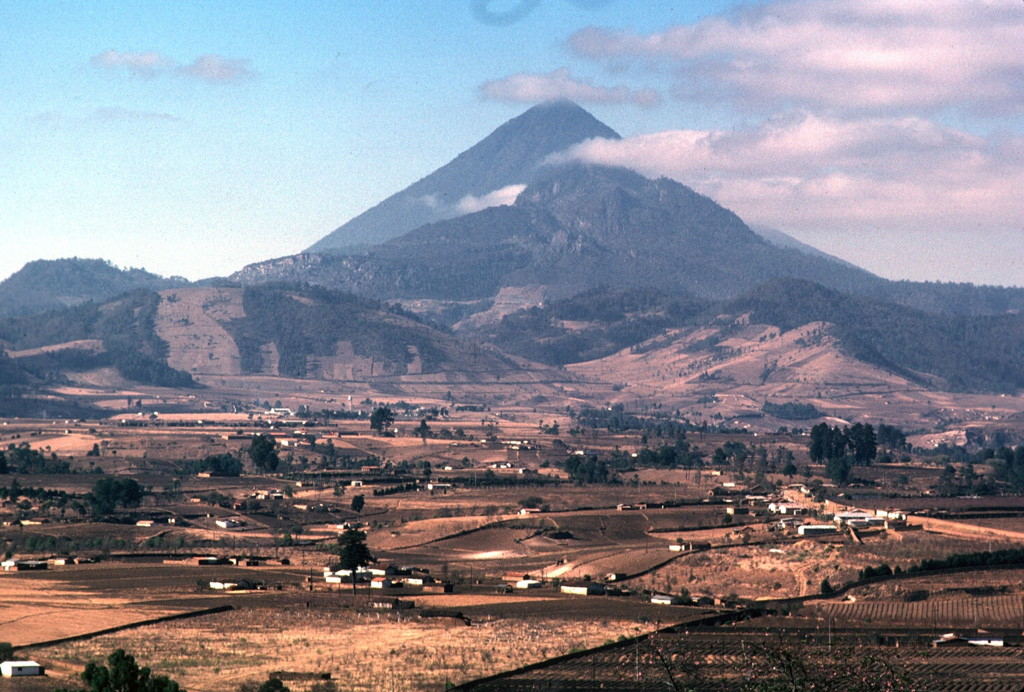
(962, 612)
(367, 652)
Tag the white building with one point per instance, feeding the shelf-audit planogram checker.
(12, 669)
(583, 588)
(816, 529)
(527, 584)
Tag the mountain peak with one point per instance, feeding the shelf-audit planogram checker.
(512, 154)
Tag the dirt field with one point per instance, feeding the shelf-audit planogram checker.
(797, 568)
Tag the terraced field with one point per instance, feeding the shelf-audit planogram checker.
(710, 662)
(1002, 611)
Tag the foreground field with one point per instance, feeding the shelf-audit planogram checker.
(366, 652)
(478, 512)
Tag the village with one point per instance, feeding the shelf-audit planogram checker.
(476, 521)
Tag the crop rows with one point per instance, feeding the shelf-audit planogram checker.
(645, 666)
(988, 611)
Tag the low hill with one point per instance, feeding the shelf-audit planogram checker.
(311, 332)
(984, 353)
(53, 284)
(119, 334)
(166, 338)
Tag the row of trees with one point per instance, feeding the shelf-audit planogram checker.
(858, 441)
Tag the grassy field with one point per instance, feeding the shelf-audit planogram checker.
(366, 652)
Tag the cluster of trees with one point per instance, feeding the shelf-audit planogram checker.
(216, 464)
(23, 459)
(1008, 556)
(123, 674)
(791, 410)
(1007, 465)
(110, 494)
(381, 419)
(10, 372)
(15, 491)
(891, 439)
(409, 487)
(615, 419)
(882, 570)
(263, 452)
(857, 441)
(678, 455)
(587, 469)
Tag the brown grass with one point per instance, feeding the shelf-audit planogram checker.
(365, 652)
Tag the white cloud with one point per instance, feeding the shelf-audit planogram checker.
(841, 55)
(213, 68)
(147, 64)
(207, 68)
(535, 88)
(805, 172)
(501, 196)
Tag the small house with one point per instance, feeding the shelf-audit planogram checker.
(23, 565)
(515, 576)
(665, 599)
(13, 669)
(208, 560)
(582, 588)
(527, 584)
(855, 517)
(232, 585)
(809, 530)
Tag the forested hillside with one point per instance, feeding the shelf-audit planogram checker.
(983, 353)
(125, 328)
(304, 321)
(593, 324)
(54, 284)
(971, 353)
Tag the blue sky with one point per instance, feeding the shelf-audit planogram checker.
(191, 138)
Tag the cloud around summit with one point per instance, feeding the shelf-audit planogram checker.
(560, 84)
